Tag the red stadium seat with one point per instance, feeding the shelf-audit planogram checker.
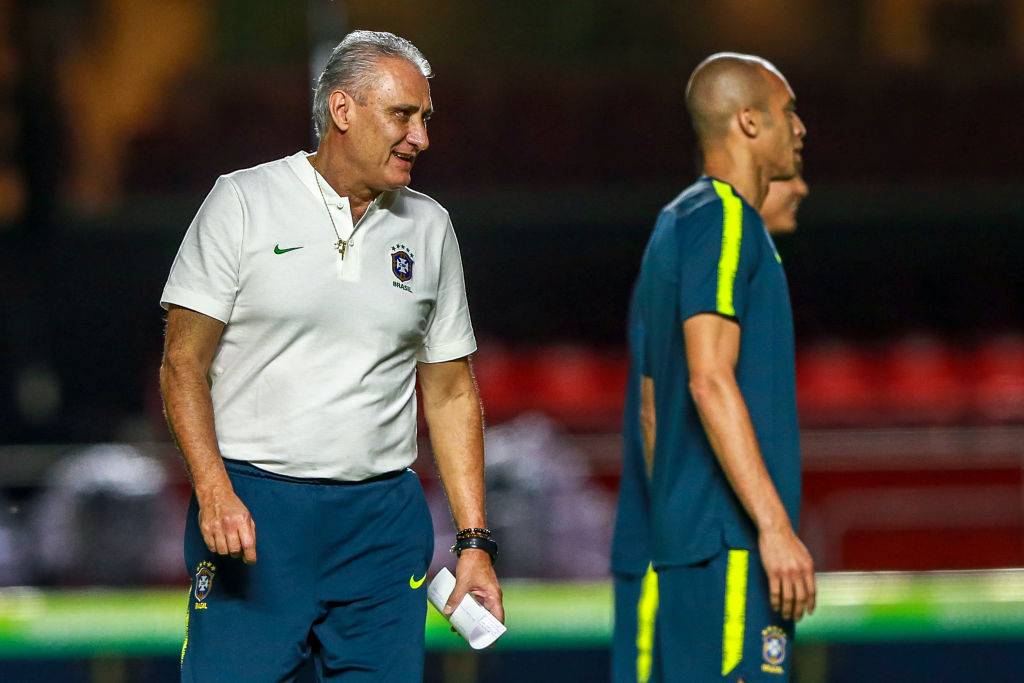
(997, 376)
(581, 388)
(921, 383)
(835, 385)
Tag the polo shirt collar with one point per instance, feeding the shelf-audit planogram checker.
(299, 163)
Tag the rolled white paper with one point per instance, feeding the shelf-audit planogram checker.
(471, 620)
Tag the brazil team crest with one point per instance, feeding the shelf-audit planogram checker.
(204, 582)
(773, 649)
(401, 263)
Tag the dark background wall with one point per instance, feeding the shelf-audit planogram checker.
(559, 134)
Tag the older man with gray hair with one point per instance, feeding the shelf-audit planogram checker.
(308, 297)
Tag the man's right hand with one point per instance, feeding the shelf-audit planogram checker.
(790, 572)
(226, 525)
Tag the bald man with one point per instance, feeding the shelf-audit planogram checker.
(718, 399)
(634, 580)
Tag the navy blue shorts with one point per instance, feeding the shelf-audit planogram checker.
(715, 623)
(636, 605)
(338, 579)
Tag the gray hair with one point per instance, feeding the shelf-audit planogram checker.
(352, 67)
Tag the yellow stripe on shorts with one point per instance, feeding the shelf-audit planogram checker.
(735, 609)
(184, 646)
(732, 237)
(646, 611)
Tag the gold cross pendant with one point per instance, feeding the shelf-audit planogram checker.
(342, 248)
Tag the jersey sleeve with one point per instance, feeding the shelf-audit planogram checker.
(716, 258)
(204, 275)
(450, 330)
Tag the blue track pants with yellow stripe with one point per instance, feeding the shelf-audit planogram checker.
(715, 623)
(636, 605)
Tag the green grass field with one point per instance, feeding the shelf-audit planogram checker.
(852, 607)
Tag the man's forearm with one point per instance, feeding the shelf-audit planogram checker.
(648, 421)
(189, 410)
(723, 412)
(456, 435)
(452, 409)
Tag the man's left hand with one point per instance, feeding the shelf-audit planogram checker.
(475, 574)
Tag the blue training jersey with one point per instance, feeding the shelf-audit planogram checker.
(631, 544)
(710, 253)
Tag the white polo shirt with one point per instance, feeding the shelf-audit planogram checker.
(315, 373)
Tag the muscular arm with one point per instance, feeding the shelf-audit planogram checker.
(648, 422)
(452, 410)
(189, 345)
(712, 350)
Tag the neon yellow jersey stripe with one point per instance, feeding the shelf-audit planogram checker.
(732, 237)
(646, 611)
(735, 609)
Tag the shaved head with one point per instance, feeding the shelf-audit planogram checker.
(724, 84)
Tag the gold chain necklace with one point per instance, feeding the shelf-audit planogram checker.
(342, 245)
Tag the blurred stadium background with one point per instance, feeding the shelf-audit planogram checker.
(560, 132)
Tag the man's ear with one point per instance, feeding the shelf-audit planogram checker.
(749, 120)
(340, 105)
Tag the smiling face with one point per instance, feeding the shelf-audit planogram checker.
(784, 132)
(387, 126)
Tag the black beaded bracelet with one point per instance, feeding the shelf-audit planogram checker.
(483, 532)
(476, 543)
